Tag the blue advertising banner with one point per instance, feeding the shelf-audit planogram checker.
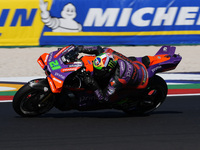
(99, 22)
(117, 22)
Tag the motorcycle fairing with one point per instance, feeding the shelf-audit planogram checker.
(52, 63)
(57, 70)
(42, 60)
(165, 59)
(88, 61)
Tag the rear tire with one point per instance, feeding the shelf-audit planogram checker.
(29, 102)
(153, 96)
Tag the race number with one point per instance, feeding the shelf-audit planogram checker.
(55, 65)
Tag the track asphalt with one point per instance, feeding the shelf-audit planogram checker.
(173, 126)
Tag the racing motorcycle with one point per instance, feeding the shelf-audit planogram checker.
(64, 89)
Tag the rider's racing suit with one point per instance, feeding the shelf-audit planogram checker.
(128, 72)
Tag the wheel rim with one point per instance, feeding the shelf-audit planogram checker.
(34, 103)
(154, 98)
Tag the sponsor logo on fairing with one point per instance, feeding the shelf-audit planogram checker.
(155, 69)
(50, 57)
(87, 98)
(59, 75)
(69, 69)
(76, 64)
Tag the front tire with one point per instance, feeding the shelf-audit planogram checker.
(29, 102)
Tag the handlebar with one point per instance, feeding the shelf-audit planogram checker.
(70, 56)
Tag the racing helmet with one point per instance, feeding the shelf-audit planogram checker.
(104, 65)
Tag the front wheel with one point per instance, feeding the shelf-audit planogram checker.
(29, 102)
(153, 96)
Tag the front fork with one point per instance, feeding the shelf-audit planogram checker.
(43, 86)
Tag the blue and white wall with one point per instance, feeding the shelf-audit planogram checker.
(107, 22)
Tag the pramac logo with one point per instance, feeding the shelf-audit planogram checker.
(64, 24)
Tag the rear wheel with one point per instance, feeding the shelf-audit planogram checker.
(153, 96)
(29, 102)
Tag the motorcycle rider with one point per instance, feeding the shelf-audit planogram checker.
(113, 71)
